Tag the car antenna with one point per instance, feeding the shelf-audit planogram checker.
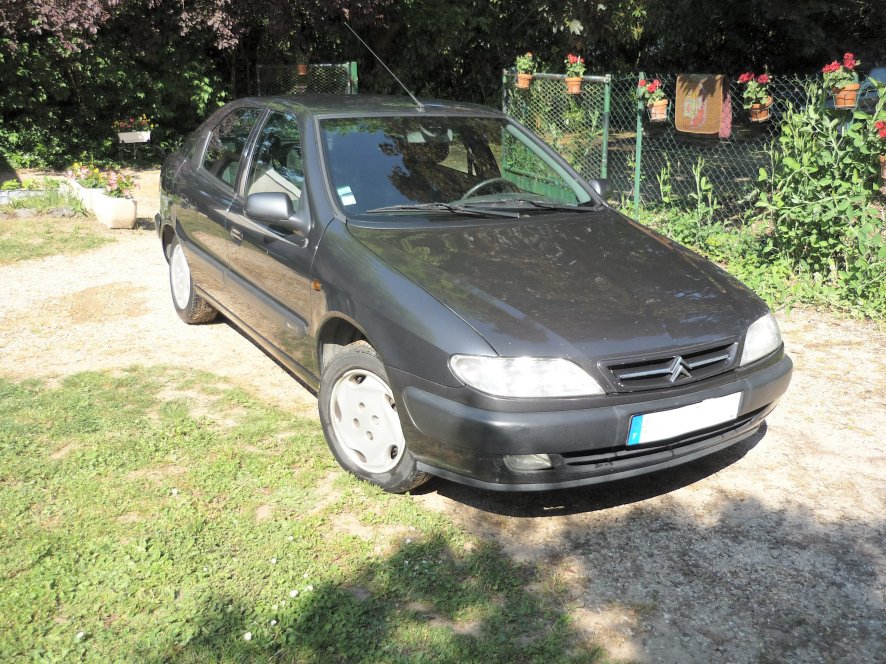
(418, 104)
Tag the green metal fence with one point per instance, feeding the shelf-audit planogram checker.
(577, 126)
(285, 79)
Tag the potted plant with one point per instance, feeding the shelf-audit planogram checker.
(842, 80)
(525, 65)
(651, 93)
(575, 69)
(134, 129)
(757, 99)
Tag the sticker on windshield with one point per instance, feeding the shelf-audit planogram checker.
(346, 196)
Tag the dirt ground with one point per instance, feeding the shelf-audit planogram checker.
(772, 551)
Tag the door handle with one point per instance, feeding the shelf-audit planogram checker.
(236, 235)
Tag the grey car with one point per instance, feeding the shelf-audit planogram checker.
(461, 300)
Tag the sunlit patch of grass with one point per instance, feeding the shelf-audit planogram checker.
(139, 527)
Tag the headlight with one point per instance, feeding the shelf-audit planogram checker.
(523, 376)
(763, 337)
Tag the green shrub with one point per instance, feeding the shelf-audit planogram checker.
(818, 200)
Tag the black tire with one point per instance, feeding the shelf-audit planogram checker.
(189, 306)
(359, 418)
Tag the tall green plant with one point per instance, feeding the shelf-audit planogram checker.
(818, 198)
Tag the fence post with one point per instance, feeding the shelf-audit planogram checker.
(638, 154)
(504, 91)
(352, 78)
(607, 89)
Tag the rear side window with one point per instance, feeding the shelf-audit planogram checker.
(224, 150)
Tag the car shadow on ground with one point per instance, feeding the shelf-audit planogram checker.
(596, 497)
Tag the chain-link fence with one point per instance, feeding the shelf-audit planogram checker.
(597, 132)
(576, 125)
(671, 161)
(281, 79)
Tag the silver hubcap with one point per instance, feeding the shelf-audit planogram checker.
(180, 277)
(364, 418)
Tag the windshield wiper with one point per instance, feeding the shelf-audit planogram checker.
(542, 205)
(443, 207)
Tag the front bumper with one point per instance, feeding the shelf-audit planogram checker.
(588, 445)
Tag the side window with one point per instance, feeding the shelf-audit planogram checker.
(277, 163)
(226, 142)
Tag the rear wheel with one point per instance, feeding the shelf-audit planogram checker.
(359, 418)
(189, 306)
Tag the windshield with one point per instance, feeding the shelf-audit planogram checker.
(379, 162)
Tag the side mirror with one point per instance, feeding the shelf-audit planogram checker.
(275, 208)
(601, 186)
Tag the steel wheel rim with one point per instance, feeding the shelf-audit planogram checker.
(365, 423)
(180, 277)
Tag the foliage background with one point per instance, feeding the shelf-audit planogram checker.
(69, 68)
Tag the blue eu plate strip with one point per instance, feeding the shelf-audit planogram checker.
(634, 433)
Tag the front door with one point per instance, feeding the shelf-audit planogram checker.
(203, 206)
(270, 266)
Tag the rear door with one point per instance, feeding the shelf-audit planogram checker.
(270, 266)
(206, 194)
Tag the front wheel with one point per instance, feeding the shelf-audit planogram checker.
(359, 418)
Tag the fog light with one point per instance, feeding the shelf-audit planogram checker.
(528, 461)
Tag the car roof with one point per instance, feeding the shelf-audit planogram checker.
(357, 105)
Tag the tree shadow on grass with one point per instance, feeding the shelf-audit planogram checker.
(430, 601)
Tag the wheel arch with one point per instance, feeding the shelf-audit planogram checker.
(336, 332)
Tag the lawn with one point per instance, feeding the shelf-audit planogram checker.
(157, 515)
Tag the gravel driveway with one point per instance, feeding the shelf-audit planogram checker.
(772, 551)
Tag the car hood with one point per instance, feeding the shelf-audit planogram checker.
(595, 285)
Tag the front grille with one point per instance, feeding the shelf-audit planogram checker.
(680, 368)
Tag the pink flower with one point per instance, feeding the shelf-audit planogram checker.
(849, 61)
(747, 77)
(763, 79)
(641, 83)
(831, 68)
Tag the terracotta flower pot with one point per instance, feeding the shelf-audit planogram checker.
(573, 85)
(883, 168)
(845, 97)
(658, 110)
(302, 68)
(760, 112)
(523, 80)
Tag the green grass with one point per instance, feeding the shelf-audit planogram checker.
(159, 516)
(25, 238)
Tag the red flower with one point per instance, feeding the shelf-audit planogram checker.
(849, 61)
(763, 79)
(883, 133)
(652, 87)
(829, 69)
(572, 58)
(641, 83)
(747, 77)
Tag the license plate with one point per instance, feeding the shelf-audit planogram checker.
(666, 424)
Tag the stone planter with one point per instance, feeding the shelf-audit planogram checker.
(112, 212)
(10, 195)
(134, 136)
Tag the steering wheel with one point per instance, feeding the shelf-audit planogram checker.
(485, 183)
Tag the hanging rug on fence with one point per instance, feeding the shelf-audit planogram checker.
(700, 102)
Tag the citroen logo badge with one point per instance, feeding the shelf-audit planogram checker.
(678, 368)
